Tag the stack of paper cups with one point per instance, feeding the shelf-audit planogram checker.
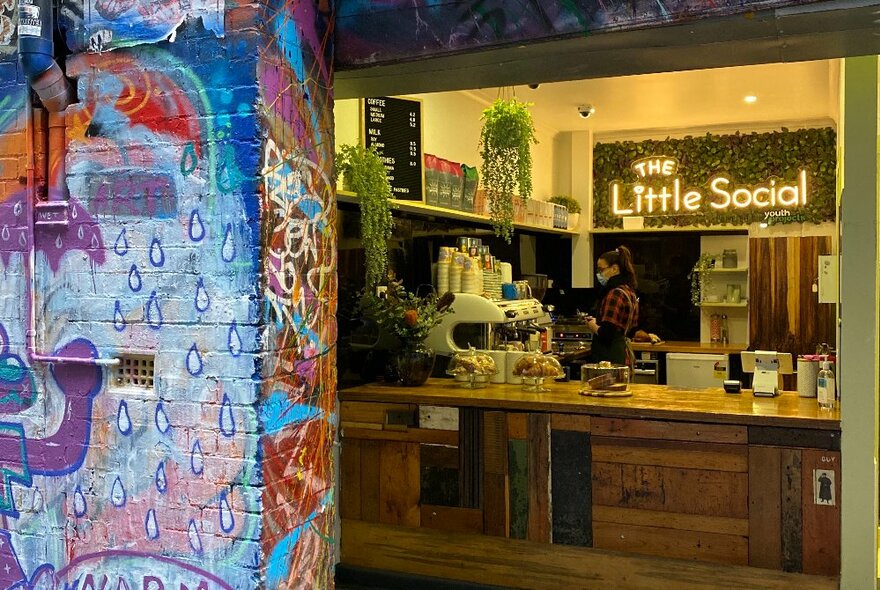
(506, 272)
(455, 278)
(443, 277)
(807, 371)
(468, 281)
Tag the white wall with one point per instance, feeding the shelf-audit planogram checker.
(451, 127)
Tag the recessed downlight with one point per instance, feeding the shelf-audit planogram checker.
(750, 99)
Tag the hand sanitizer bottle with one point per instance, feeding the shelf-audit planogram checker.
(825, 387)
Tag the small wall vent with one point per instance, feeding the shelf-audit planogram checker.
(135, 370)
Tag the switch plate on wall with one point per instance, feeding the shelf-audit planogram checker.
(828, 279)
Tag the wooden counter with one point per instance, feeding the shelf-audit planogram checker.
(647, 401)
(667, 489)
(691, 347)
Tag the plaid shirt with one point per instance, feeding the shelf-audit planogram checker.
(620, 307)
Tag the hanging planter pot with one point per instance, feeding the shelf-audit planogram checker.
(505, 147)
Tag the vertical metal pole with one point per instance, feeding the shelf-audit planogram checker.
(859, 348)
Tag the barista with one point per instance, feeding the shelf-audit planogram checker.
(618, 309)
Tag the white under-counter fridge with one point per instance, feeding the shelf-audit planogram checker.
(695, 370)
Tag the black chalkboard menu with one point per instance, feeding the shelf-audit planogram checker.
(394, 126)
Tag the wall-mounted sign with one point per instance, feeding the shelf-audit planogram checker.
(710, 180)
(394, 127)
(660, 190)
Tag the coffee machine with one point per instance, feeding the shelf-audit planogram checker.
(482, 323)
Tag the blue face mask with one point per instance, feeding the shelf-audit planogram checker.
(601, 278)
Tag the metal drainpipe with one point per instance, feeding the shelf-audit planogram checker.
(36, 54)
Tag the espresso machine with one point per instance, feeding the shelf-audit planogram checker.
(484, 323)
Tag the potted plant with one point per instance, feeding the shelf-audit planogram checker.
(701, 277)
(574, 208)
(505, 147)
(410, 319)
(364, 173)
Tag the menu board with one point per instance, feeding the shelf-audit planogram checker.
(394, 126)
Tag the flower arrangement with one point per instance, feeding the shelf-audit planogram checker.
(407, 315)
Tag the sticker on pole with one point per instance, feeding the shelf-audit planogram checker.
(823, 487)
(29, 21)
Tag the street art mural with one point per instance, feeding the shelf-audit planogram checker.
(372, 32)
(299, 265)
(197, 241)
(102, 25)
(7, 24)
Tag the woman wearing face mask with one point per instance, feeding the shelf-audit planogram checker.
(618, 309)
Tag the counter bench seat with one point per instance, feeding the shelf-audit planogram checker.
(668, 488)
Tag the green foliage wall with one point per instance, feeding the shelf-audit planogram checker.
(747, 159)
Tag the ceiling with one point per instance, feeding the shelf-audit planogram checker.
(820, 30)
(707, 99)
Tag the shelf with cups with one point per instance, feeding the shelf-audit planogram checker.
(721, 270)
(424, 210)
(743, 303)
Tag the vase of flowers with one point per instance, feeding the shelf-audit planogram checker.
(410, 318)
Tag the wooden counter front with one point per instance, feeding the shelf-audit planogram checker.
(690, 347)
(667, 489)
(648, 401)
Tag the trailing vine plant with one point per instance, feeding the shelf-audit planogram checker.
(365, 173)
(505, 147)
(701, 277)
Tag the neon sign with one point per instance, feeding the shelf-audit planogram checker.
(659, 191)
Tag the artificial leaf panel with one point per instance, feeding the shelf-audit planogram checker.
(756, 163)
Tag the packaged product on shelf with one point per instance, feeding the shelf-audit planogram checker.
(445, 184)
(457, 184)
(469, 192)
(432, 179)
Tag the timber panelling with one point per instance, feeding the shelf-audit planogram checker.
(399, 483)
(792, 510)
(679, 544)
(350, 480)
(539, 478)
(765, 507)
(712, 457)
(781, 275)
(688, 491)
(537, 566)
(654, 429)
(570, 487)
(821, 522)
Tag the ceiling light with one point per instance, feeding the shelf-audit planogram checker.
(751, 99)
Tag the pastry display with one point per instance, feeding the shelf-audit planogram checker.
(538, 365)
(472, 362)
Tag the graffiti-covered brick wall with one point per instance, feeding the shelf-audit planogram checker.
(299, 261)
(198, 249)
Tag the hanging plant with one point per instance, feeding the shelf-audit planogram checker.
(701, 277)
(505, 147)
(365, 174)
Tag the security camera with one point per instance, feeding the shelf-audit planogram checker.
(586, 111)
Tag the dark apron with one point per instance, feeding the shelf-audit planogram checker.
(614, 351)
